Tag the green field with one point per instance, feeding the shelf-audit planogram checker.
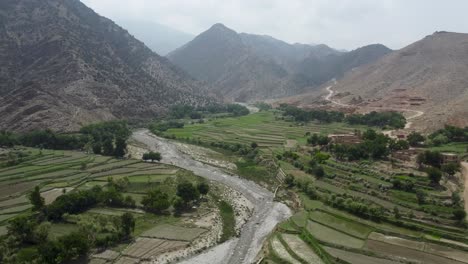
(61, 172)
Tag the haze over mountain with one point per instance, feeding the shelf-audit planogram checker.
(429, 75)
(160, 38)
(64, 66)
(247, 67)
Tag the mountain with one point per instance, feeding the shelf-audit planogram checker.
(429, 76)
(323, 69)
(248, 67)
(62, 66)
(159, 38)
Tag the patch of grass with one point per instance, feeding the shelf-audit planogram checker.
(251, 171)
(60, 229)
(229, 222)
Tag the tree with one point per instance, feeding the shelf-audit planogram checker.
(152, 156)
(127, 224)
(421, 196)
(415, 138)
(319, 172)
(396, 212)
(459, 214)
(179, 205)
(156, 201)
(289, 180)
(120, 147)
(456, 199)
(203, 188)
(22, 228)
(434, 175)
(321, 157)
(254, 145)
(451, 168)
(36, 199)
(97, 148)
(108, 147)
(187, 192)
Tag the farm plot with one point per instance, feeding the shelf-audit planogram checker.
(355, 258)
(344, 225)
(407, 253)
(172, 232)
(51, 195)
(332, 236)
(145, 248)
(301, 249)
(260, 127)
(397, 241)
(281, 252)
(109, 255)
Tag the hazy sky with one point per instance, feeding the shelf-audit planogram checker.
(346, 24)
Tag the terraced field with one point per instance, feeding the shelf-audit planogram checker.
(333, 220)
(264, 128)
(59, 172)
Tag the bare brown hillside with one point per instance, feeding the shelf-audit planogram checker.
(63, 66)
(430, 75)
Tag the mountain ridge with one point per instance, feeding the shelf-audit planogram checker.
(66, 66)
(249, 67)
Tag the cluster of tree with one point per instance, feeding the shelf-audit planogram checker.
(316, 139)
(403, 185)
(157, 201)
(187, 111)
(378, 119)
(48, 139)
(431, 162)
(313, 167)
(262, 106)
(374, 145)
(415, 139)
(159, 127)
(449, 134)
(301, 115)
(357, 207)
(248, 152)
(28, 241)
(153, 156)
(7, 139)
(108, 138)
(80, 201)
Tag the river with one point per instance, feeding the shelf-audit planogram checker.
(266, 215)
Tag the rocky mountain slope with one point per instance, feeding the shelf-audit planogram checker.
(247, 67)
(429, 75)
(62, 65)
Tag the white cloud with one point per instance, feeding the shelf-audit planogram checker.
(339, 23)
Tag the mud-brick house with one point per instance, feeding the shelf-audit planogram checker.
(450, 158)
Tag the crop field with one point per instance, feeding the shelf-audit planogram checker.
(281, 252)
(145, 248)
(172, 232)
(349, 227)
(301, 249)
(57, 172)
(332, 236)
(352, 257)
(60, 172)
(263, 128)
(413, 222)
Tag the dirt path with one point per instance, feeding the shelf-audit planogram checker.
(465, 176)
(266, 214)
(416, 113)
